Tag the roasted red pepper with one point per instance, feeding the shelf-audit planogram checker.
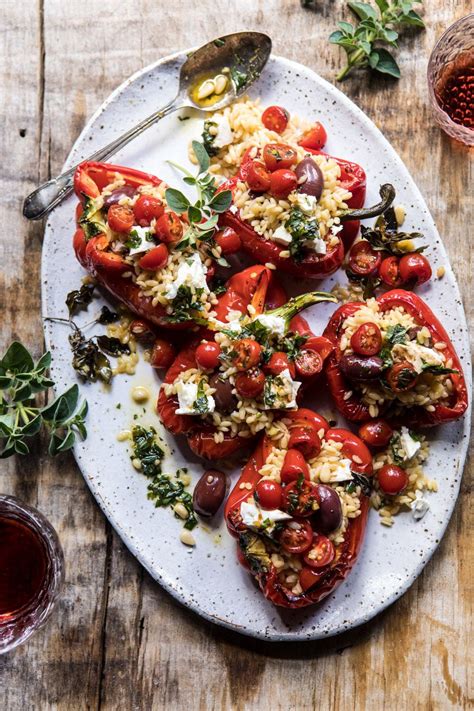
(352, 407)
(318, 583)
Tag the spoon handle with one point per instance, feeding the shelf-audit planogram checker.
(51, 193)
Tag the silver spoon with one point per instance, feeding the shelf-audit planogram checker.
(243, 54)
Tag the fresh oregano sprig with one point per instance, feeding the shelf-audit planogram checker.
(361, 42)
(203, 215)
(21, 379)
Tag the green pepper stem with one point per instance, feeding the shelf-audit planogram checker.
(387, 193)
(298, 303)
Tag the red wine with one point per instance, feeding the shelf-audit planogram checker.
(455, 93)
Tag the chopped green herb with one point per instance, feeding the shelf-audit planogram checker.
(201, 404)
(302, 228)
(239, 78)
(208, 138)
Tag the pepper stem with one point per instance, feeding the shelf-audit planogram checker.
(298, 303)
(387, 193)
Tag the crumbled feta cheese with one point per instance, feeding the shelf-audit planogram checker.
(282, 236)
(224, 133)
(284, 391)
(187, 394)
(417, 355)
(191, 272)
(343, 471)
(141, 233)
(253, 516)
(306, 203)
(335, 229)
(318, 245)
(275, 324)
(409, 445)
(420, 506)
(233, 209)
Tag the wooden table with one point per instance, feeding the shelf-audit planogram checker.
(117, 640)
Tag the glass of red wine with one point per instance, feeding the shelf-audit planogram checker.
(451, 80)
(31, 571)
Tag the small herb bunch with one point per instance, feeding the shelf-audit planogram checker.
(204, 213)
(359, 42)
(21, 380)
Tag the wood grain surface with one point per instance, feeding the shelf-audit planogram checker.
(117, 640)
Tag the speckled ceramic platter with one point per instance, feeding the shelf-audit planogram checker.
(208, 578)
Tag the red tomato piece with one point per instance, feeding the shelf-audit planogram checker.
(279, 362)
(162, 354)
(169, 228)
(363, 260)
(258, 177)
(392, 479)
(389, 272)
(283, 182)
(315, 138)
(300, 498)
(309, 577)
(275, 118)
(247, 353)
(367, 340)
(414, 269)
(321, 553)
(305, 439)
(156, 258)
(279, 155)
(141, 331)
(297, 537)
(308, 363)
(120, 218)
(294, 467)
(377, 433)
(147, 208)
(250, 384)
(207, 355)
(228, 240)
(402, 376)
(268, 494)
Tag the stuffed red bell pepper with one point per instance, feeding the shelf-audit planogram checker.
(299, 510)
(392, 357)
(229, 381)
(126, 238)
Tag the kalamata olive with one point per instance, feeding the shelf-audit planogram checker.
(356, 367)
(209, 492)
(226, 401)
(329, 515)
(117, 195)
(314, 179)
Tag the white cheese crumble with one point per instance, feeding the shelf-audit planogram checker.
(275, 324)
(417, 355)
(282, 236)
(318, 245)
(253, 516)
(420, 506)
(409, 445)
(224, 133)
(191, 272)
(343, 471)
(285, 390)
(187, 395)
(306, 203)
(145, 244)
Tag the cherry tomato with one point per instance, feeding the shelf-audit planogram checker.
(268, 494)
(162, 354)
(415, 269)
(169, 228)
(367, 340)
(300, 498)
(147, 208)
(294, 466)
(402, 376)
(141, 331)
(389, 272)
(247, 353)
(377, 433)
(279, 155)
(258, 177)
(392, 479)
(251, 383)
(305, 439)
(120, 218)
(321, 552)
(282, 182)
(296, 538)
(308, 363)
(309, 577)
(363, 260)
(156, 258)
(207, 355)
(279, 362)
(228, 240)
(315, 138)
(275, 118)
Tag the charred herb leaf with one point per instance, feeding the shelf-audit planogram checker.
(384, 236)
(88, 360)
(255, 552)
(113, 346)
(79, 299)
(364, 482)
(438, 369)
(107, 316)
(91, 220)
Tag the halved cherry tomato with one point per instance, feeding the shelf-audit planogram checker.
(279, 362)
(268, 494)
(389, 272)
(305, 439)
(251, 383)
(120, 218)
(147, 208)
(308, 363)
(402, 376)
(296, 537)
(321, 552)
(247, 353)
(309, 577)
(279, 155)
(415, 269)
(169, 228)
(363, 260)
(162, 354)
(294, 467)
(315, 138)
(392, 479)
(282, 182)
(258, 177)
(367, 340)
(300, 498)
(207, 355)
(275, 118)
(377, 433)
(228, 240)
(156, 258)
(141, 331)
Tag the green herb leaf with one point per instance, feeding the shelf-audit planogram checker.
(221, 202)
(201, 156)
(386, 63)
(239, 78)
(176, 200)
(363, 10)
